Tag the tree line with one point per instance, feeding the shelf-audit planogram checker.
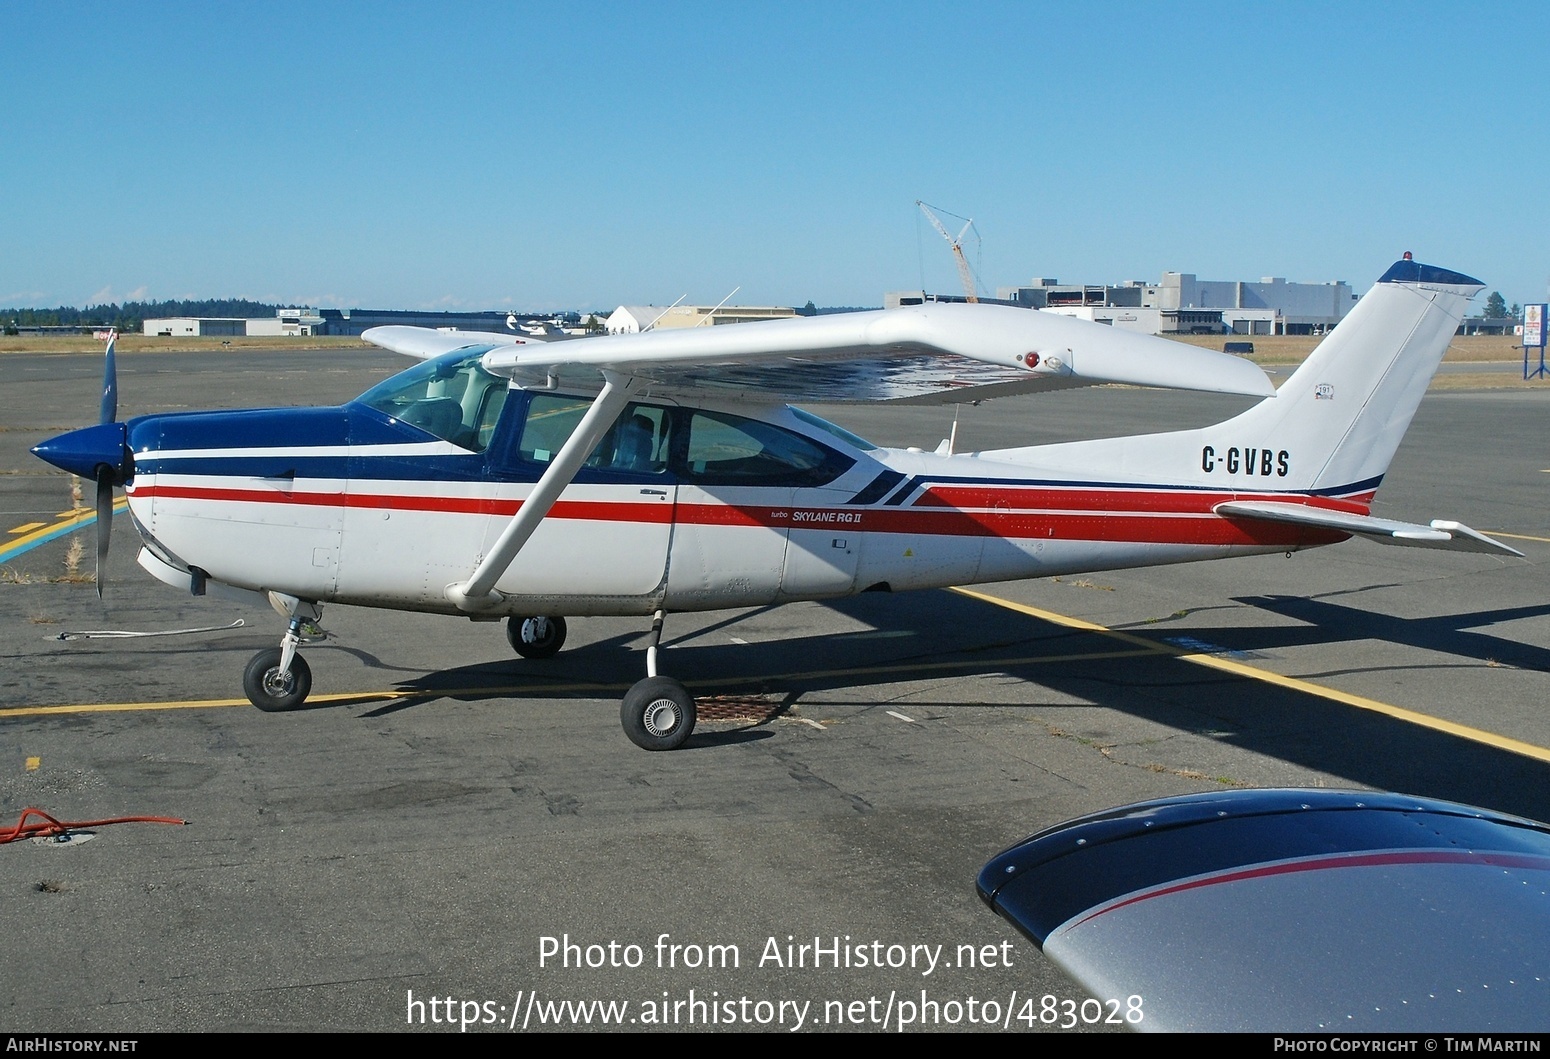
(130, 315)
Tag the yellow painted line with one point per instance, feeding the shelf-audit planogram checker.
(28, 527)
(1519, 536)
(66, 520)
(399, 694)
(917, 667)
(1071, 623)
(1227, 665)
(191, 704)
(77, 518)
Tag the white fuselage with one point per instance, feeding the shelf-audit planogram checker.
(377, 518)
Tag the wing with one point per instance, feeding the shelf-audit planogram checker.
(1293, 910)
(940, 354)
(425, 342)
(1454, 536)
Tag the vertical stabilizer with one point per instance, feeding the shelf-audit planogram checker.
(1341, 415)
(1331, 428)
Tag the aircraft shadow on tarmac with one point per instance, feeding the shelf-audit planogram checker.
(936, 636)
(1444, 633)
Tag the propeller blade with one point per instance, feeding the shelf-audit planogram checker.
(110, 385)
(104, 523)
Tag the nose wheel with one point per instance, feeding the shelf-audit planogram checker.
(278, 678)
(275, 690)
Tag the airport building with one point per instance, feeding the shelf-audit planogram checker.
(308, 321)
(194, 326)
(1182, 303)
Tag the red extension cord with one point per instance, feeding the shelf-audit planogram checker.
(49, 827)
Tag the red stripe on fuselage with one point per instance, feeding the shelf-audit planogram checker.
(607, 511)
(1137, 522)
(1138, 499)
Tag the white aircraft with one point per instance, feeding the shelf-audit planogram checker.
(507, 477)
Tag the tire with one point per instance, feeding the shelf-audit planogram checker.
(267, 690)
(658, 714)
(535, 637)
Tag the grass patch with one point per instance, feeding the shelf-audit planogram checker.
(154, 344)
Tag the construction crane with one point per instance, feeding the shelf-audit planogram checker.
(964, 272)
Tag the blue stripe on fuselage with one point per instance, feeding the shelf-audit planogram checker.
(354, 426)
(360, 427)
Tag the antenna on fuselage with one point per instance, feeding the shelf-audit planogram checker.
(950, 443)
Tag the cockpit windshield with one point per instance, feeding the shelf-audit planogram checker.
(452, 397)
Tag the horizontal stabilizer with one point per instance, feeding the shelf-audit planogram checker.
(1440, 534)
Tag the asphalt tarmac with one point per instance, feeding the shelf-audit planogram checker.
(449, 837)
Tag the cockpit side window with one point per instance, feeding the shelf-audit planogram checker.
(637, 442)
(452, 397)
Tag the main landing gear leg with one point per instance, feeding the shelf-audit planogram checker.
(658, 712)
(278, 678)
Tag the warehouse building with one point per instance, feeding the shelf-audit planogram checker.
(1182, 303)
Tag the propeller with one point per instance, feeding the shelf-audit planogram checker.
(104, 472)
(110, 384)
(99, 452)
(104, 525)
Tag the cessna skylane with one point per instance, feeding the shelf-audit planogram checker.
(508, 477)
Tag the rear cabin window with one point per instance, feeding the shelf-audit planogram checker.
(730, 450)
(712, 448)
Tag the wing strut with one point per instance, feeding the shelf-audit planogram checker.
(477, 593)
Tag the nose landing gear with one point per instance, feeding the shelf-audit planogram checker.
(278, 678)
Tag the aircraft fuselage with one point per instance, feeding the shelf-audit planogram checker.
(386, 501)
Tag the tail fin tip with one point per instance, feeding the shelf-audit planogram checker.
(1408, 271)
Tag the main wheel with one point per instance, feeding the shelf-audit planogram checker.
(538, 637)
(273, 691)
(658, 714)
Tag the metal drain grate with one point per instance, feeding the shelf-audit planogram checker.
(754, 708)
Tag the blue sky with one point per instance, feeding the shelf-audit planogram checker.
(576, 155)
